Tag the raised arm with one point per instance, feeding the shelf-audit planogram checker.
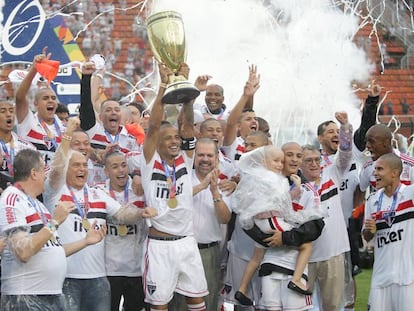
(344, 156)
(22, 104)
(251, 86)
(86, 111)
(186, 117)
(369, 115)
(157, 115)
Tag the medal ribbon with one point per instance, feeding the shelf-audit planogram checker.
(34, 204)
(81, 212)
(9, 157)
(393, 204)
(110, 139)
(220, 116)
(326, 159)
(49, 134)
(126, 194)
(171, 182)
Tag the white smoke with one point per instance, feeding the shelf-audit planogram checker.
(304, 51)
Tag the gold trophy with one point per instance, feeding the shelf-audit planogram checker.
(167, 40)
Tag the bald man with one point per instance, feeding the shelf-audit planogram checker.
(379, 142)
(388, 219)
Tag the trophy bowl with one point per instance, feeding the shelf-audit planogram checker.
(167, 41)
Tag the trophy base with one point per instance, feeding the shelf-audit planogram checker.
(180, 92)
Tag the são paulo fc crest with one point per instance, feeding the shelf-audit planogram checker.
(389, 218)
(151, 288)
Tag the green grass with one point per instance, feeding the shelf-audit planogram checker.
(363, 281)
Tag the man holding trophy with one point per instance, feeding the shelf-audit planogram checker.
(172, 260)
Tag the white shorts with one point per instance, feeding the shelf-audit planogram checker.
(234, 274)
(173, 266)
(277, 296)
(393, 297)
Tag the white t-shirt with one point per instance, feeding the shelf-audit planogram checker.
(44, 272)
(207, 227)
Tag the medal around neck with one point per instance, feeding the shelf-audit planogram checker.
(86, 224)
(122, 230)
(172, 202)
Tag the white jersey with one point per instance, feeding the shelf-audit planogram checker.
(100, 138)
(207, 227)
(44, 272)
(123, 253)
(88, 263)
(333, 240)
(394, 238)
(178, 220)
(349, 183)
(226, 166)
(134, 160)
(367, 173)
(235, 150)
(222, 115)
(96, 173)
(46, 138)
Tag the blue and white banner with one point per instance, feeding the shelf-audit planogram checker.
(26, 30)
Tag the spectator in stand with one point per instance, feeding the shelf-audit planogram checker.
(389, 108)
(405, 107)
